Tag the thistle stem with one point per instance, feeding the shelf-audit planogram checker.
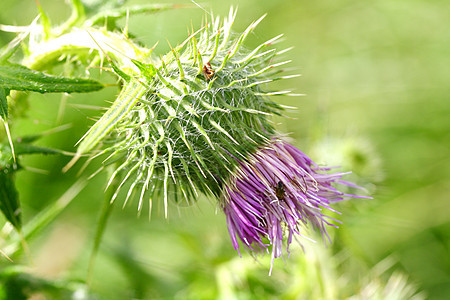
(103, 219)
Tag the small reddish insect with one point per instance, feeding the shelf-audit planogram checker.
(208, 71)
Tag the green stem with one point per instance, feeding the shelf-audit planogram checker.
(103, 220)
(45, 217)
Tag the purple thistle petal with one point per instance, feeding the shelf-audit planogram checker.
(277, 188)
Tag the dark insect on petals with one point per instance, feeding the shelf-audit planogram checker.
(279, 190)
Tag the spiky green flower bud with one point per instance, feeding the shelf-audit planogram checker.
(182, 122)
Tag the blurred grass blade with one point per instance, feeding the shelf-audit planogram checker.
(18, 283)
(138, 276)
(78, 15)
(114, 14)
(46, 216)
(35, 136)
(20, 78)
(45, 21)
(25, 148)
(103, 220)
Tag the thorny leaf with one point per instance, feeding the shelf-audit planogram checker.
(9, 200)
(20, 78)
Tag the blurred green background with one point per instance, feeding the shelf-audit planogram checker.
(376, 77)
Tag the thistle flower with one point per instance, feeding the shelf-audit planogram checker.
(273, 193)
(197, 120)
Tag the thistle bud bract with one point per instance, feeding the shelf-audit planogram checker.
(181, 120)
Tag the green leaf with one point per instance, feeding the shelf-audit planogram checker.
(9, 201)
(6, 158)
(4, 117)
(20, 78)
(21, 148)
(3, 103)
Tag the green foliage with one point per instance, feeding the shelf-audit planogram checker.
(377, 104)
(18, 284)
(20, 78)
(45, 217)
(9, 201)
(4, 103)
